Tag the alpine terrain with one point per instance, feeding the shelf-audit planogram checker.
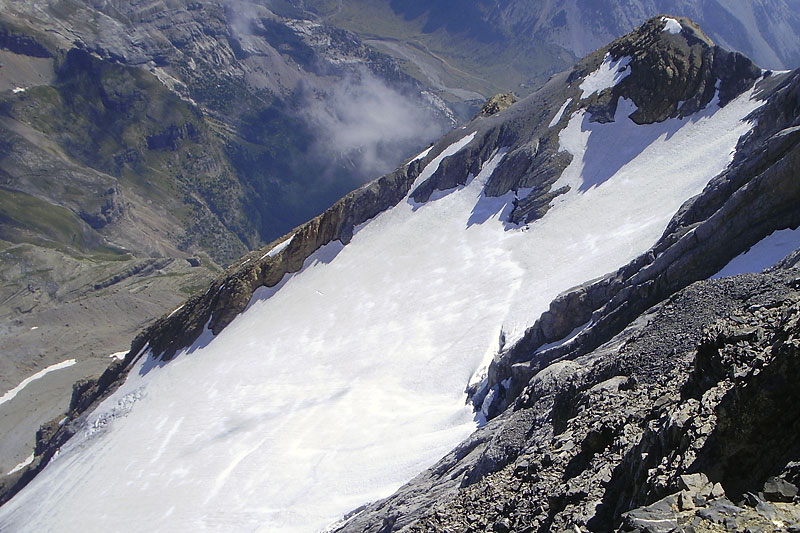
(528, 326)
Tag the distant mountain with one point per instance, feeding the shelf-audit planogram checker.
(514, 45)
(525, 305)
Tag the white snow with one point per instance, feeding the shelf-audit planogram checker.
(763, 254)
(22, 465)
(566, 340)
(278, 248)
(10, 395)
(17, 90)
(348, 379)
(671, 25)
(175, 311)
(606, 76)
(433, 166)
(560, 113)
(34, 328)
(422, 153)
(121, 355)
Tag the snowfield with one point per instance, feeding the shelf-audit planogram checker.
(348, 379)
(763, 254)
(608, 74)
(671, 25)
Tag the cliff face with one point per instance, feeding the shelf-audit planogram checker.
(617, 391)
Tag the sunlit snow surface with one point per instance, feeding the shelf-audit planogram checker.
(763, 254)
(559, 113)
(11, 394)
(671, 25)
(349, 380)
(607, 75)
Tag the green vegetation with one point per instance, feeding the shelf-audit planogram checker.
(26, 213)
(123, 122)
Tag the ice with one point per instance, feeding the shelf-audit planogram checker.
(609, 74)
(344, 382)
(22, 465)
(278, 248)
(763, 254)
(8, 396)
(671, 25)
(560, 113)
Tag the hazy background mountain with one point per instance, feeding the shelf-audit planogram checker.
(487, 47)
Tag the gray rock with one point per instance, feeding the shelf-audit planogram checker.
(779, 490)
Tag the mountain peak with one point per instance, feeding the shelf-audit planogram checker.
(669, 68)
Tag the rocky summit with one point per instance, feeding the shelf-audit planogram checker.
(582, 309)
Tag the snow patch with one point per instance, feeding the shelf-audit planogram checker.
(278, 248)
(22, 465)
(422, 154)
(10, 395)
(17, 90)
(34, 328)
(433, 166)
(119, 356)
(557, 118)
(175, 311)
(671, 25)
(763, 254)
(566, 340)
(610, 73)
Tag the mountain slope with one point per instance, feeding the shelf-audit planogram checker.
(336, 362)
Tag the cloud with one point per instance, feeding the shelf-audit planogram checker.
(367, 125)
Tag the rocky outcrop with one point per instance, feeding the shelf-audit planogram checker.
(497, 103)
(674, 74)
(22, 43)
